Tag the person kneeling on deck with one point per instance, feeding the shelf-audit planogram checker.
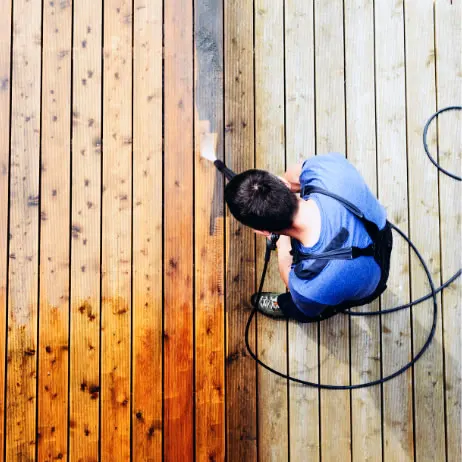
(335, 241)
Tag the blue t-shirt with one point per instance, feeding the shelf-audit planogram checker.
(335, 281)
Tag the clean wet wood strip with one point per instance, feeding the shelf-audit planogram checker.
(241, 377)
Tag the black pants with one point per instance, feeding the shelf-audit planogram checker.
(383, 248)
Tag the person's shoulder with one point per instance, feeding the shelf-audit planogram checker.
(327, 157)
(322, 159)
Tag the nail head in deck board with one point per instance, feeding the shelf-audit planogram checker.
(449, 74)
(397, 431)
(178, 304)
(5, 44)
(209, 264)
(240, 244)
(424, 230)
(300, 141)
(23, 273)
(330, 136)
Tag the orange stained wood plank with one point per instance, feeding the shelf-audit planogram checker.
(147, 232)
(241, 394)
(116, 231)
(448, 18)
(178, 231)
(24, 232)
(209, 234)
(53, 351)
(84, 386)
(5, 92)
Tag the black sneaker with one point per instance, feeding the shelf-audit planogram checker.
(268, 304)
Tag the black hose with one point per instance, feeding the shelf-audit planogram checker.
(360, 385)
(454, 276)
(229, 174)
(424, 136)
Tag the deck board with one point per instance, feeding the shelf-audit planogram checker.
(23, 236)
(270, 155)
(116, 264)
(300, 144)
(5, 73)
(84, 379)
(366, 404)
(147, 232)
(241, 371)
(178, 232)
(53, 357)
(424, 229)
(397, 427)
(334, 357)
(209, 234)
(125, 283)
(448, 65)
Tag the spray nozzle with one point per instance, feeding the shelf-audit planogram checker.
(271, 245)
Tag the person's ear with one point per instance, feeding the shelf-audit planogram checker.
(262, 233)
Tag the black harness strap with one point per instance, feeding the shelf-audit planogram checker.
(347, 253)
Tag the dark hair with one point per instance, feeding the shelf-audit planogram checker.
(261, 200)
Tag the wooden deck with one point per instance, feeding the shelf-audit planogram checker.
(124, 283)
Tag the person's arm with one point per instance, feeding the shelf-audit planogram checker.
(284, 258)
(292, 175)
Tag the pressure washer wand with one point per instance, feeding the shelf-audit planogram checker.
(229, 175)
(227, 172)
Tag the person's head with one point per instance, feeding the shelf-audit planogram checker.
(261, 201)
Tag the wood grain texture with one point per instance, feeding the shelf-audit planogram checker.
(53, 352)
(449, 92)
(23, 233)
(209, 235)
(424, 229)
(366, 416)
(273, 434)
(241, 413)
(147, 232)
(178, 227)
(300, 142)
(5, 92)
(116, 230)
(84, 386)
(398, 441)
(330, 137)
